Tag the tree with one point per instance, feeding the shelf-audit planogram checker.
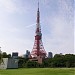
(22, 62)
(70, 60)
(9, 55)
(1, 58)
(31, 64)
(4, 54)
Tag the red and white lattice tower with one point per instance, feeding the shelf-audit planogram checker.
(38, 48)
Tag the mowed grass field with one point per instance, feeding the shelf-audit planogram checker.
(39, 71)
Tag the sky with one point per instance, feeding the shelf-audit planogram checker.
(18, 24)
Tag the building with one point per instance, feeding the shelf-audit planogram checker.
(15, 55)
(50, 54)
(38, 59)
(38, 52)
(61, 53)
(8, 63)
(27, 53)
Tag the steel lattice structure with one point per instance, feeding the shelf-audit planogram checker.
(38, 48)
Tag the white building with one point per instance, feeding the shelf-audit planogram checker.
(9, 63)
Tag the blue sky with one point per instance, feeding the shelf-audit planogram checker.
(18, 23)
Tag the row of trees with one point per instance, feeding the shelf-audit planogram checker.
(4, 55)
(58, 60)
(67, 60)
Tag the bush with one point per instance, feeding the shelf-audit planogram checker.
(31, 64)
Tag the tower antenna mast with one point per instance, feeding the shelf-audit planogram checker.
(38, 3)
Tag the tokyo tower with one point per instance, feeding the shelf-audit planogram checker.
(38, 48)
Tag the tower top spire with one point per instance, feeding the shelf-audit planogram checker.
(38, 18)
(38, 5)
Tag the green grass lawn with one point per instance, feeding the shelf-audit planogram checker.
(39, 71)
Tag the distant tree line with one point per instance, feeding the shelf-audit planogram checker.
(58, 60)
(5, 55)
(67, 60)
